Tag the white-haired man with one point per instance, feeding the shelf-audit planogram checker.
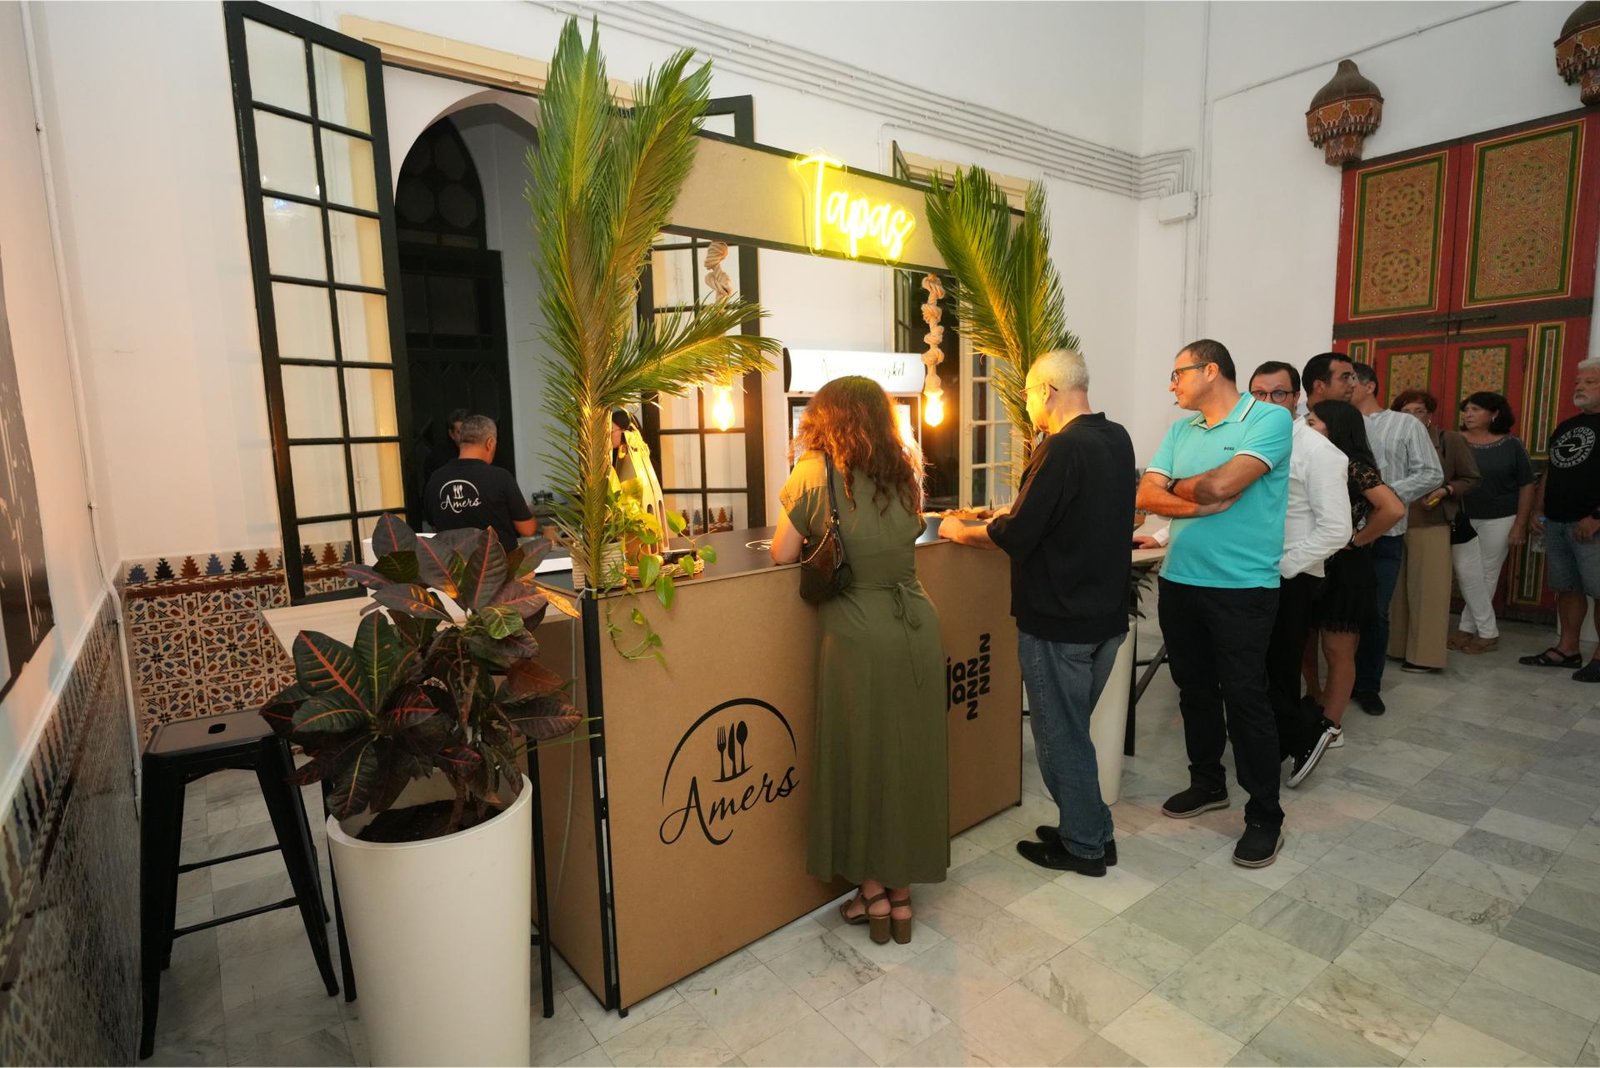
(1067, 536)
(1568, 507)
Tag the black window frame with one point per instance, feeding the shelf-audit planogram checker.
(235, 14)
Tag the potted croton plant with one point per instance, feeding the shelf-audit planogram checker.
(416, 731)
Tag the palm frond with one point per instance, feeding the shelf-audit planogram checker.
(601, 186)
(1007, 289)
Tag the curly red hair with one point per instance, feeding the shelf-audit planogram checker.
(851, 420)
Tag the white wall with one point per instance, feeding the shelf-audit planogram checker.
(140, 97)
(39, 341)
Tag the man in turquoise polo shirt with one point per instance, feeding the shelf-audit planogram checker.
(1223, 477)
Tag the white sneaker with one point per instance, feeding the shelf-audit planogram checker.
(1336, 737)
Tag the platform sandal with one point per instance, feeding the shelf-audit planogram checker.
(866, 903)
(886, 926)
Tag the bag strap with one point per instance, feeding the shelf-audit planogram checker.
(833, 501)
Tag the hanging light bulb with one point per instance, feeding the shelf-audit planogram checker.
(932, 398)
(722, 408)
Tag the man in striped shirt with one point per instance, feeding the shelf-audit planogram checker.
(1408, 463)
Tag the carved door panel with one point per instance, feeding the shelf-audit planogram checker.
(1396, 242)
(1526, 222)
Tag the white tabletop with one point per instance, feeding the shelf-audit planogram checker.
(336, 619)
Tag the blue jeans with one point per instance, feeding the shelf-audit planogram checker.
(1064, 681)
(1387, 553)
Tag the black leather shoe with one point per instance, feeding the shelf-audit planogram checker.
(1370, 702)
(1052, 837)
(1186, 804)
(1258, 847)
(1057, 859)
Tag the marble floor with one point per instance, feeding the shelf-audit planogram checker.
(1437, 902)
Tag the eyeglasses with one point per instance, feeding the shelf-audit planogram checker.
(1348, 376)
(1176, 371)
(1037, 385)
(1276, 396)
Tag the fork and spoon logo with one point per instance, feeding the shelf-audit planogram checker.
(748, 777)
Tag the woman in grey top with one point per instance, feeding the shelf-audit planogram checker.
(1498, 508)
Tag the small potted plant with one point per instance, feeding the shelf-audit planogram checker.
(416, 730)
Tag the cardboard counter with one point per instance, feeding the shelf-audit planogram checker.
(688, 803)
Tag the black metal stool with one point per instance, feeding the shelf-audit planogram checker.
(178, 754)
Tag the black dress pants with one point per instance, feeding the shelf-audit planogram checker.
(1290, 629)
(1217, 649)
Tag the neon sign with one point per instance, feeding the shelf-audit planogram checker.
(851, 219)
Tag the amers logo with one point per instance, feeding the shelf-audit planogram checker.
(734, 758)
(457, 495)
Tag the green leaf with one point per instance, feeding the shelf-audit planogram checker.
(434, 560)
(369, 577)
(501, 621)
(391, 535)
(459, 762)
(529, 679)
(329, 713)
(355, 780)
(323, 665)
(381, 656)
(638, 618)
(649, 569)
(411, 600)
(665, 591)
(485, 574)
(408, 706)
(522, 597)
(502, 652)
(707, 554)
(543, 718)
(676, 523)
(398, 567)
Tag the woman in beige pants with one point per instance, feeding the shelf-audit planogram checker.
(1419, 614)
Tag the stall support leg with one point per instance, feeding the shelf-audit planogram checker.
(542, 910)
(595, 690)
(1150, 666)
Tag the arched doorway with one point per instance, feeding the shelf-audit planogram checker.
(454, 298)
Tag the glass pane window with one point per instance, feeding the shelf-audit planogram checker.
(347, 162)
(321, 226)
(301, 316)
(294, 239)
(277, 67)
(311, 402)
(288, 155)
(364, 326)
(680, 460)
(341, 88)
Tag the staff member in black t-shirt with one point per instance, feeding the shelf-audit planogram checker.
(1568, 506)
(469, 492)
(1067, 536)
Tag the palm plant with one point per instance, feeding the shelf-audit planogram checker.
(602, 183)
(1007, 288)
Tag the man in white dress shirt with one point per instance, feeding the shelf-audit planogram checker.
(1410, 465)
(1316, 526)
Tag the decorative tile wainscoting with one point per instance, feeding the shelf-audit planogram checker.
(196, 640)
(69, 879)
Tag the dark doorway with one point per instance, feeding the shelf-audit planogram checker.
(454, 298)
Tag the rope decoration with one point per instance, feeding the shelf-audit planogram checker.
(932, 316)
(717, 279)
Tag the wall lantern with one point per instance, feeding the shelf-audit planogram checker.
(1343, 113)
(1578, 51)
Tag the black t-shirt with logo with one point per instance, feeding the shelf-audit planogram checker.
(1573, 487)
(472, 494)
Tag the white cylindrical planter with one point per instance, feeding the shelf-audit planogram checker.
(439, 936)
(1109, 723)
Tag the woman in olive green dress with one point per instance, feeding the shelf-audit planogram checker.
(880, 799)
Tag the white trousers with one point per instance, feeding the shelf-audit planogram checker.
(1478, 564)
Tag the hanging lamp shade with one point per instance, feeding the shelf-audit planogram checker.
(1578, 51)
(1343, 113)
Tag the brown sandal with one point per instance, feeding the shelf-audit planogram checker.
(885, 926)
(866, 903)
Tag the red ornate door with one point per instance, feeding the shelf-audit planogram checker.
(1471, 265)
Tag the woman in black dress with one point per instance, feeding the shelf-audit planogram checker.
(1348, 596)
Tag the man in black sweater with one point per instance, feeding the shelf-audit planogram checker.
(1067, 536)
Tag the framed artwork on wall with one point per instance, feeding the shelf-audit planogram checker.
(25, 615)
